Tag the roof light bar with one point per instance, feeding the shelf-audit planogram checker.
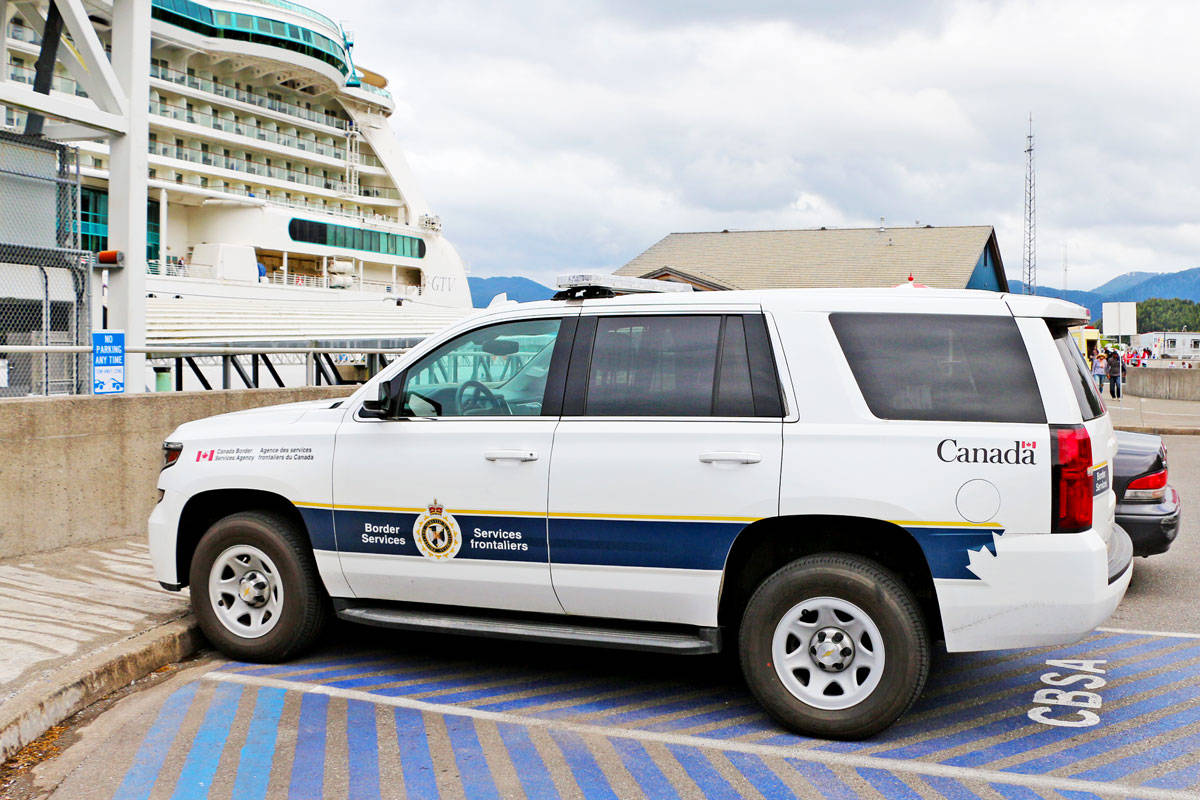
(619, 284)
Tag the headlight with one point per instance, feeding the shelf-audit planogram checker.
(171, 452)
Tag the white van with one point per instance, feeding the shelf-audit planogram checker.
(830, 481)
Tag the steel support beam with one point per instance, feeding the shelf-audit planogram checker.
(127, 189)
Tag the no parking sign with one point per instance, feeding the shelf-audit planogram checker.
(108, 362)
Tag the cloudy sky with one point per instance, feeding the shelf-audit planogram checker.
(558, 136)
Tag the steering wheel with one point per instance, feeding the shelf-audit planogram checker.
(482, 397)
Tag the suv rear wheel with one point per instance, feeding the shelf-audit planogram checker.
(834, 646)
(255, 588)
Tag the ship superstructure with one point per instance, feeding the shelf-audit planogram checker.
(270, 151)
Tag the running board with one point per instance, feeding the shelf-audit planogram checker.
(697, 641)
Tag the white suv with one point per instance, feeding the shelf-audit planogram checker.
(828, 480)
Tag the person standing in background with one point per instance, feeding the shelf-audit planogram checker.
(1099, 369)
(1114, 367)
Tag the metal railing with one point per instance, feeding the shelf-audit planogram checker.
(231, 92)
(253, 367)
(236, 126)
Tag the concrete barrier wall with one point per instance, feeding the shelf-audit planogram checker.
(75, 470)
(1162, 383)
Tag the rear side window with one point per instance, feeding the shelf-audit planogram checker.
(940, 367)
(694, 365)
(1090, 404)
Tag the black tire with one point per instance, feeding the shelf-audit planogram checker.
(883, 598)
(305, 605)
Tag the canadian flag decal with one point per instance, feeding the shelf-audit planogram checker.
(204, 455)
(1030, 445)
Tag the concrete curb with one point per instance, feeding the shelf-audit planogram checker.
(48, 701)
(1160, 430)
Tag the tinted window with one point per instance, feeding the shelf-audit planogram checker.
(940, 367)
(1090, 404)
(735, 396)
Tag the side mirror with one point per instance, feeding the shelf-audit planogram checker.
(381, 407)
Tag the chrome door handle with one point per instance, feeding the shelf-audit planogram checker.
(730, 458)
(510, 455)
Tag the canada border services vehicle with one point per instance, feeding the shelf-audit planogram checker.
(829, 481)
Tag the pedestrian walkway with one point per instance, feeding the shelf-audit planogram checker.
(76, 624)
(1154, 415)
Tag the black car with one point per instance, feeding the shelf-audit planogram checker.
(1147, 508)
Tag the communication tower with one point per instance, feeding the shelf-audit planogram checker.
(1029, 259)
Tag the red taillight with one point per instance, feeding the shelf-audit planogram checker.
(1072, 480)
(1147, 488)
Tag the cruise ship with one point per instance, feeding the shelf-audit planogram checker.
(270, 152)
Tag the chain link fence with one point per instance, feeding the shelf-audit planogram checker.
(45, 287)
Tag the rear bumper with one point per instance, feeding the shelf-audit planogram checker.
(1037, 590)
(1151, 526)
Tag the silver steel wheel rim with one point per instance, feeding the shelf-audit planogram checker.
(245, 591)
(815, 668)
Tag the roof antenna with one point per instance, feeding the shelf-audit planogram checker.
(881, 228)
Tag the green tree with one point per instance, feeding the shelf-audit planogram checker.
(1168, 314)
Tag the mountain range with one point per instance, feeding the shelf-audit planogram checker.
(1184, 284)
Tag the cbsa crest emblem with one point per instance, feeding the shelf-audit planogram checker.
(436, 533)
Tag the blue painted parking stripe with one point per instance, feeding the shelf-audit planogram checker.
(530, 768)
(1012, 792)
(548, 697)
(923, 725)
(415, 762)
(249, 668)
(827, 782)
(1187, 777)
(473, 769)
(760, 775)
(1045, 736)
(396, 675)
(643, 769)
(201, 764)
(888, 785)
(614, 702)
(701, 770)
(588, 775)
(926, 747)
(716, 715)
(428, 686)
(950, 788)
(308, 768)
(362, 744)
(705, 698)
(143, 774)
(522, 684)
(254, 762)
(1105, 744)
(1155, 755)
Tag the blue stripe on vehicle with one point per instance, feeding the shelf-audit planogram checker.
(701, 770)
(477, 780)
(530, 768)
(319, 523)
(760, 775)
(642, 543)
(362, 743)
(643, 769)
(140, 778)
(201, 764)
(888, 784)
(588, 775)
(308, 768)
(415, 762)
(948, 549)
(254, 762)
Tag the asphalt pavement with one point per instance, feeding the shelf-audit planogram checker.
(390, 715)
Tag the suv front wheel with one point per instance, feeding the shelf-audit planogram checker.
(255, 588)
(834, 646)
